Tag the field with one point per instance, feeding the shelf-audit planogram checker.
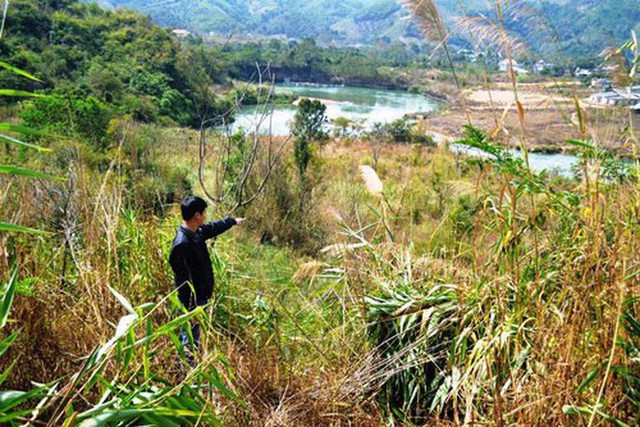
(460, 293)
(549, 110)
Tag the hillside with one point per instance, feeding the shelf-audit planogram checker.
(122, 60)
(334, 22)
(577, 27)
(374, 278)
(588, 26)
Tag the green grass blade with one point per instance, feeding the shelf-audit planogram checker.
(11, 399)
(584, 410)
(13, 141)
(177, 322)
(216, 381)
(114, 417)
(30, 173)
(6, 343)
(125, 303)
(8, 292)
(19, 71)
(8, 127)
(591, 377)
(8, 227)
(5, 374)
(583, 144)
(20, 93)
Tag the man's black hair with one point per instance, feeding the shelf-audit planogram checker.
(190, 205)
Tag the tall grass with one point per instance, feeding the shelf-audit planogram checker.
(453, 319)
(516, 341)
(448, 291)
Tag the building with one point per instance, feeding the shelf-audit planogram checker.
(180, 32)
(605, 85)
(633, 90)
(542, 66)
(617, 98)
(582, 72)
(517, 68)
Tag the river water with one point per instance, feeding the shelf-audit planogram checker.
(561, 163)
(360, 105)
(366, 107)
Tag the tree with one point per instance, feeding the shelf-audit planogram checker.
(308, 126)
(342, 124)
(310, 120)
(399, 130)
(87, 117)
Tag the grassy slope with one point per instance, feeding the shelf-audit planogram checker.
(301, 349)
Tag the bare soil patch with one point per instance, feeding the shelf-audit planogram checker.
(507, 97)
(550, 118)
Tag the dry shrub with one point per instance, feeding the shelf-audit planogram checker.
(277, 395)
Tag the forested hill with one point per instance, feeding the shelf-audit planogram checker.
(98, 63)
(588, 26)
(578, 27)
(108, 62)
(340, 22)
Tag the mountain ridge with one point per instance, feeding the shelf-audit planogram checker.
(583, 27)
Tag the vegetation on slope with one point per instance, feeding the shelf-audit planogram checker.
(573, 28)
(433, 289)
(456, 293)
(123, 60)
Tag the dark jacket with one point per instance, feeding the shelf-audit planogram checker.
(190, 261)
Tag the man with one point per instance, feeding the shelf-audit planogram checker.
(189, 257)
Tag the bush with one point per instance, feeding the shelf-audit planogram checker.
(141, 108)
(399, 130)
(422, 138)
(87, 118)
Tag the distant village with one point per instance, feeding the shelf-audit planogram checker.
(606, 94)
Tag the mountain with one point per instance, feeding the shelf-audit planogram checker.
(585, 27)
(576, 27)
(328, 21)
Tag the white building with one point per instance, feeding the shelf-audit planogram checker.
(616, 98)
(582, 72)
(542, 66)
(517, 68)
(180, 32)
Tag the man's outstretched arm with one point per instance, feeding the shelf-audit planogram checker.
(215, 228)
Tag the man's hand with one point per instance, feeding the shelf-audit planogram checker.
(239, 220)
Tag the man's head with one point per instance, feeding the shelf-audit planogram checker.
(192, 208)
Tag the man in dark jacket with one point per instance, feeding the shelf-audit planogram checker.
(189, 257)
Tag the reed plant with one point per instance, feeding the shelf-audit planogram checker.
(493, 344)
(447, 291)
(442, 316)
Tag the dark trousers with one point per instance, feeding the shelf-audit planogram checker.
(195, 330)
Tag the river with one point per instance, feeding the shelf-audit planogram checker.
(366, 107)
(360, 105)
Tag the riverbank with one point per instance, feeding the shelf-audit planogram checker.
(547, 120)
(548, 112)
(420, 231)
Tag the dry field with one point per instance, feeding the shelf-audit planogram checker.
(550, 117)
